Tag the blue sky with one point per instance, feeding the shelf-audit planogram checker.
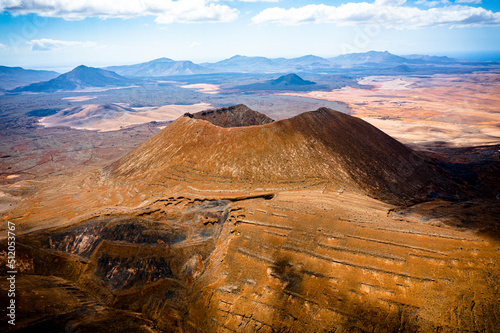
(61, 34)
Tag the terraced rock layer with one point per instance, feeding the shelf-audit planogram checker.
(299, 261)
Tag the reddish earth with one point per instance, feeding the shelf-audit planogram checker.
(316, 223)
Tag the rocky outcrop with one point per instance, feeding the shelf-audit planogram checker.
(233, 116)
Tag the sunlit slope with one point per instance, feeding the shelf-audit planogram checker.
(322, 146)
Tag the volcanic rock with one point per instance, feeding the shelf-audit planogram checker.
(233, 116)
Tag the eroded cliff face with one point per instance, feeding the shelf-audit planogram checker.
(128, 258)
(322, 262)
(296, 261)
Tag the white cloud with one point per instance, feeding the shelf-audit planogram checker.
(45, 44)
(392, 16)
(192, 11)
(166, 11)
(2, 46)
(469, 1)
(432, 3)
(258, 0)
(390, 2)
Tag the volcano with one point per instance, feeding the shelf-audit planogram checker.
(323, 146)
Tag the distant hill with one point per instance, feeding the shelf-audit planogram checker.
(367, 58)
(290, 80)
(400, 69)
(376, 58)
(285, 82)
(85, 116)
(312, 63)
(308, 62)
(13, 77)
(245, 64)
(431, 59)
(160, 67)
(81, 77)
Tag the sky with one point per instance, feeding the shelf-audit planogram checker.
(62, 34)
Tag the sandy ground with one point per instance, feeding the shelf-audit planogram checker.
(90, 117)
(78, 98)
(461, 110)
(389, 82)
(204, 88)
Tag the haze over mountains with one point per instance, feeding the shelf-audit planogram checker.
(246, 64)
(160, 67)
(370, 63)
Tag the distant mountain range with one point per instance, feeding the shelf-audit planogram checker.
(368, 58)
(160, 67)
(374, 58)
(82, 77)
(245, 64)
(308, 63)
(20, 80)
(13, 77)
(432, 59)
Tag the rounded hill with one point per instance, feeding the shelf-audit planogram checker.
(322, 146)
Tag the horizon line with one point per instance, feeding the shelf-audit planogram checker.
(494, 57)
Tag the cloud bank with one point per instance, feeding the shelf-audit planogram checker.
(391, 14)
(166, 11)
(469, 1)
(45, 44)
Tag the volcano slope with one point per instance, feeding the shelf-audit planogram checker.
(287, 226)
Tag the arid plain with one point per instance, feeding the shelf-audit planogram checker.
(447, 110)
